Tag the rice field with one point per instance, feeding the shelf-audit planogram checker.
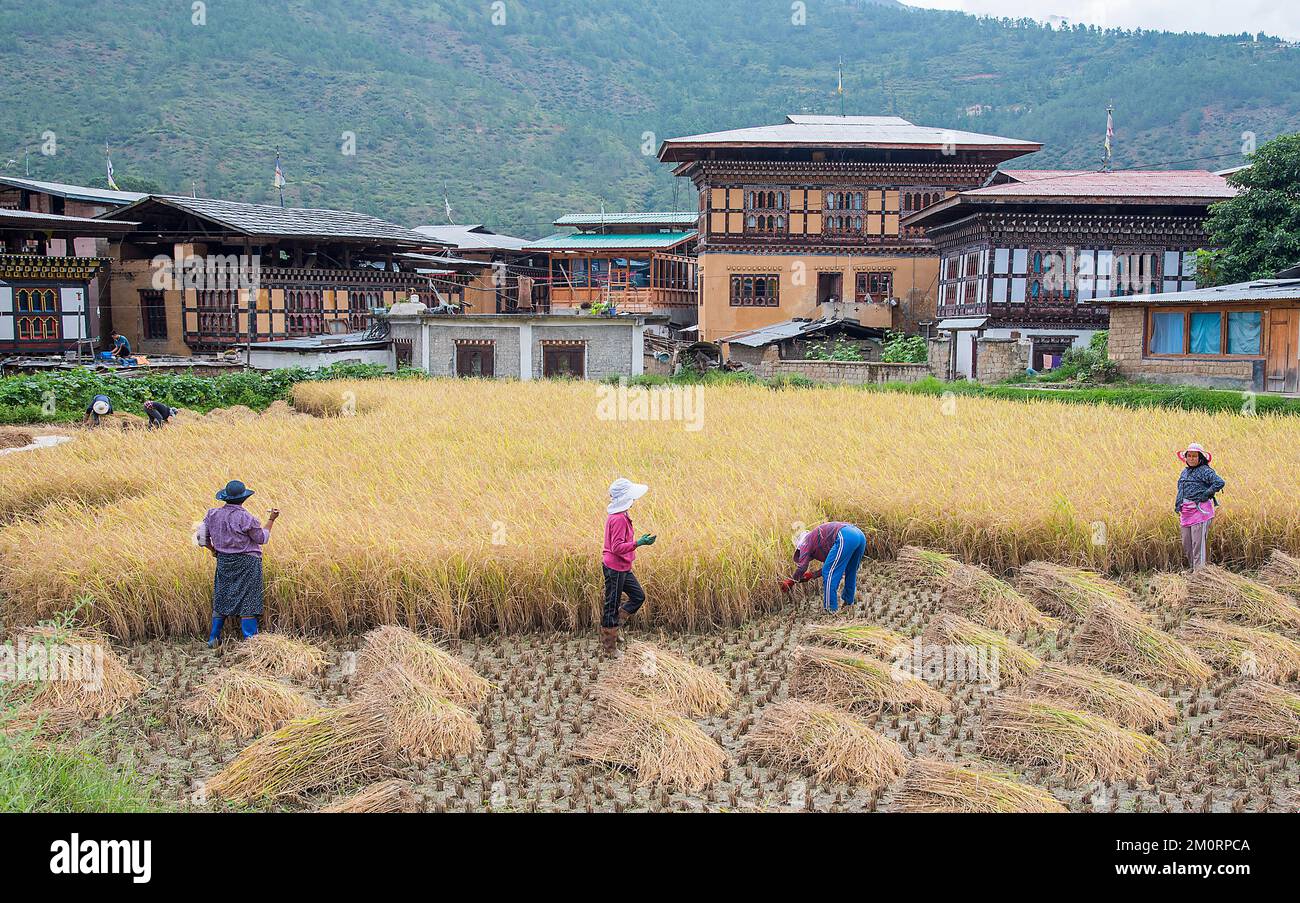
(472, 506)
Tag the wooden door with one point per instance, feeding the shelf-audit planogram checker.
(475, 360)
(1283, 348)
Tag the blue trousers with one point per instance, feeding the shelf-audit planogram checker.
(841, 565)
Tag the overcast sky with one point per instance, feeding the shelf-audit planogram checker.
(1275, 17)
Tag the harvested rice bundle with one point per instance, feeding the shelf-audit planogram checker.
(1115, 639)
(1169, 590)
(312, 753)
(1079, 745)
(1262, 712)
(934, 786)
(858, 634)
(277, 655)
(384, 796)
(445, 674)
(860, 682)
(420, 723)
(86, 679)
(1236, 649)
(1008, 660)
(647, 737)
(239, 703)
(826, 743)
(1069, 592)
(925, 566)
(1079, 686)
(1216, 593)
(977, 594)
(1282, 572)
(646, 670)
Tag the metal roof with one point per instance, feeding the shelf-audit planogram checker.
(472, 238)
(1254, 291)
(792, 329)
(344, 342)
(666, 218)
(956, 324)
(845, 131)
(58, 223)
(580, 241)
(74, 192)
(271, 221)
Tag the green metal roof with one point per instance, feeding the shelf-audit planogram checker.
(591, 241)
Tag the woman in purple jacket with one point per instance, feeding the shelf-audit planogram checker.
(235, 538)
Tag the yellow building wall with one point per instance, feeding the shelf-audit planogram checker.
(914, 277)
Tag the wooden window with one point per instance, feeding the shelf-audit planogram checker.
(755, 290)
(476, 359)
(153, 311)
(564, 360)
(873, 287)
(1205, 333)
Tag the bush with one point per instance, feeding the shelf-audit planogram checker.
(1087, 365)
(841, 349)
(904, 349)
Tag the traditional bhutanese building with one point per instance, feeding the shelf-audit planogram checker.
(1033, 255)
(808, 212)
(53, 301)
(636, 263)
(204, 275)
(488, 272)
(62, 199)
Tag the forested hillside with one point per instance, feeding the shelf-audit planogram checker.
(523, 109)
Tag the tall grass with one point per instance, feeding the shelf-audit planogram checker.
(473, 505)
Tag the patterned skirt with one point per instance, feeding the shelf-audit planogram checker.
(237, 589)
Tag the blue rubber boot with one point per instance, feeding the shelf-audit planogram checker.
(248, 626)
(215, 635)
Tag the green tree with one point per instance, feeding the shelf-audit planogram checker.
(1258, 231)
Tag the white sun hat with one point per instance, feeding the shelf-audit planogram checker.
(101, 407)
(622, 493)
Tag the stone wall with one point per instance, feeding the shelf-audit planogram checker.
(937, 352)
(1127, 334)
(846, 372)
(997, 360)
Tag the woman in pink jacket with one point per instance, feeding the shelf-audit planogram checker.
(617, 556)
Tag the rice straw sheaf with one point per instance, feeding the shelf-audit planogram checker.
(1070, 592)
(316, 752)
(934, 786)
(420, 724)
(85, 681)
(826, 743)
(445, 674)
(1216, 593)
(1079, 745)
(1234, 649)
(687, 688)
(982, 597)
(277, 655)
(856, 633)
(384, 796)
(647, 737)
(1261, 712)
(925, 566)
(1116, 640)
(860, 682)
(1012, 661)
(238, 703)
(1282, 572)
(1079, 686)
(1168, 589)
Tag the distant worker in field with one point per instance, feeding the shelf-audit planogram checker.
(158, 414)
(99, 406)
(617, 557)
(839, 547)
(1198, 485)
(235, 538)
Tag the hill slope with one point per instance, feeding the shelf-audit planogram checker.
(561, 105)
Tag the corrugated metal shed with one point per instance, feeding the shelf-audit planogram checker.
(602, 241)
(1258, 290)
(472, 238)
(652, 218)
(73, 192)
(793, 329)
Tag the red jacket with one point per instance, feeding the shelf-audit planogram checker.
(620, 544)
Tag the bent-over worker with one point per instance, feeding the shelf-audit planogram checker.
(99, 406)
(158, 414)
(839, 547)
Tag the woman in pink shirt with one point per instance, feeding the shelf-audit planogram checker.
(617, 556)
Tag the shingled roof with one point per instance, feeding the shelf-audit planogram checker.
(271, 221)
(73, 192)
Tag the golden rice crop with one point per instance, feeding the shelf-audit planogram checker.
(1079, 686)
(686, 688)
(1233, 649)
(927, 567)
(1071, 592)
(853, 680)
(1261, 712)
(383, 796)
(1216, 593)
(934, 786)
(1013, 661)
(1114, 639)
(277, 655)
(826, 743)
(475, 505)
(1080, 745)
(239, 703)
(645, 736)
(974, 592)
(1282, 572)
(389, 646)
(855, 633)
